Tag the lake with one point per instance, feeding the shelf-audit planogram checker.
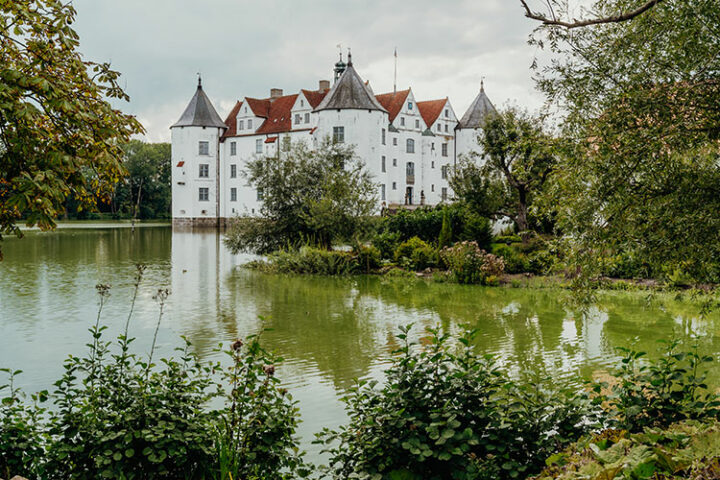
(329, 330)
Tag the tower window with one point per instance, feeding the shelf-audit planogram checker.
(432, 187)
(339, 134)
(394, 162)
(233, 148)
(204, 148)
(204, 170)
(394, 140)
(410, 145)
(394, 185)
(233, 194)
(382, 136)
(204, 194)
(382, 164)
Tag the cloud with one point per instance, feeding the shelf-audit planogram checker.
(246, 47)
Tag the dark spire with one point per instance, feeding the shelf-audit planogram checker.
(478, 111)
(200, 111)
(349, 58)
(350, 92)
(339, 68)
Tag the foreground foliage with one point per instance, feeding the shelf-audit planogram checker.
(59, 134)
(118, 414)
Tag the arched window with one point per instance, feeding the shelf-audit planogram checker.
(410, 145)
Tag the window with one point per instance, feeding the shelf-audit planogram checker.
(409, 105)
(250, 124)
(241, 125)
(410, 169)
(298, 118)
(286, 143)
(302, 103)
(258, 145)
(338, 134)
(394, 162)
(410, 147)
(382, 136)
(446, 128)
(382, 164)
(443, 195)
(233, 194)
(233, 171)
(307, 118)
(394, 140)
(447, 113)
(259, 194)
(204, 148)
(417, 123)
(233, 148)
(204, 170)
(382, 192)
(394, 185)
(439, 128)
(444, 150)
(432, 164)
(444, 170)
(432, 187)
(204, 194)
(402, 121)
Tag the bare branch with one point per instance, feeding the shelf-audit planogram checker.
(584, 23)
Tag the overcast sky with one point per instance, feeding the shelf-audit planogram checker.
(243, 48)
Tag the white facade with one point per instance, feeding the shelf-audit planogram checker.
(408, 147)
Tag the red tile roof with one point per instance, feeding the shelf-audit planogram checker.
(270, 139)
(393, 102)
(314, 97)
(431, 110)
(279, 118)
(259, 107)
(231, 121)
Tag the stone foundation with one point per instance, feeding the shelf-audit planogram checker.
(200, 222)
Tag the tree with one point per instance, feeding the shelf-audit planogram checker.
(518, 158)
(553, 20)
(147, 186)
(59, 135)
(642, 171)
(445, 236)
(309, 196)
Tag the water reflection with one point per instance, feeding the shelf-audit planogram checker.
(329, 330)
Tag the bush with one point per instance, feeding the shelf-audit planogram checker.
(446, 233)
(508, 239)
(120, 415)
(416, 253)
(368, 258)
(447, 413)
(470, 264)
(477, 229)
(515, 262)
(311, 260)
(386, 243)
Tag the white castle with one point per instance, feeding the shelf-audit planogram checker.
(408, 146)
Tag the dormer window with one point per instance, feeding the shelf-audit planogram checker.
(302, 103)
(307, 118)
(409, 105)
(245, 109)
(250, 124)
(298, 118)
(241, 125)
(447, 113)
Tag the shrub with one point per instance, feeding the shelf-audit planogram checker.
(508, 239)
(515, 262)
(477, 229)
(416, 253)
(368, 258)
(386, 243)
(424, 223)
(445, 232)
(311, 260)
(470, 264)
(448, 413)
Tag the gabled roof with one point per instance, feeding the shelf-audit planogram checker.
(260, 108)
(350, 92)
(231, 122)
(279, 118)
(314, 97)
(431, 110)
(393, 102)
(479, 109)
(200, 112)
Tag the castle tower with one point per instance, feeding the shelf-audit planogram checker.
(470, 124)
(196, 163)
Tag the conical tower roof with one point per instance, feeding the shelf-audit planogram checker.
(479, 109)
(350, 92)
(200, 112)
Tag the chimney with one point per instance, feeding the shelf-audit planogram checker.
(323, 85)
(276, 92)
